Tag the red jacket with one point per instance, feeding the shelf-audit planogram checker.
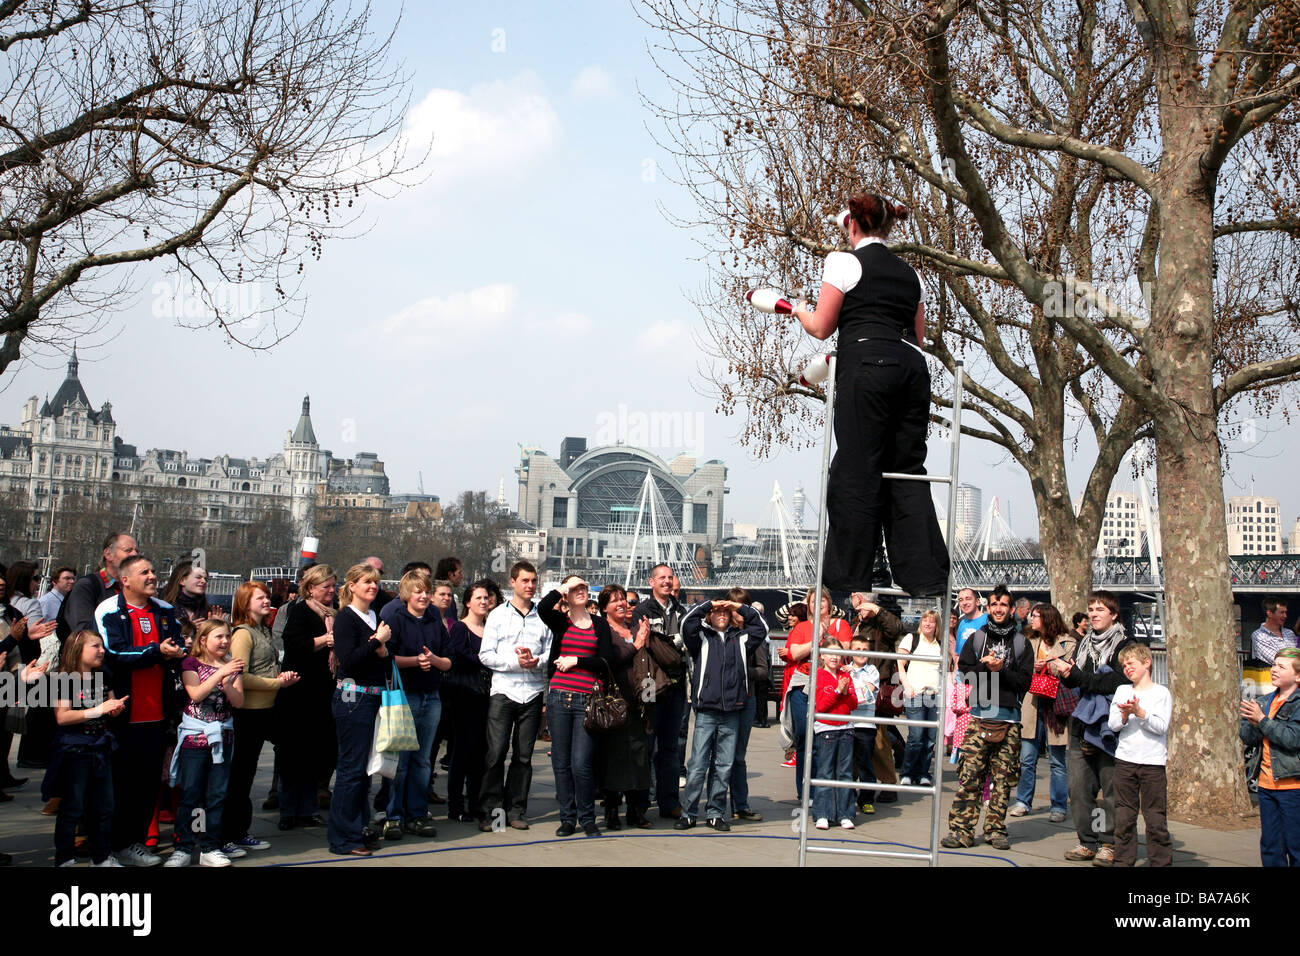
(829, 700)
(838, 628)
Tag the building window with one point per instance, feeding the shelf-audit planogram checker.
(560, 513)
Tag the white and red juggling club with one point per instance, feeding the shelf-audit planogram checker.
(769, 300)
(815, 372)
(841, 219)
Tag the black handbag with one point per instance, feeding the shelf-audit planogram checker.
(606, 708)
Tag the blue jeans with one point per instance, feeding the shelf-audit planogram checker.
(918, 754)
(354, 724)
(572, 751)
(409, 797)
(1279, 827)
(88, 798)
(739, 784)
(713, 748)
(669, 708)
(797, 701)
(833, 760)
(203, 786)
(1059, 787)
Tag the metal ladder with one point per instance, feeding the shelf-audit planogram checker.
(935, 790)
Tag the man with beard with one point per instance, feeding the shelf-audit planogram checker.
(1001, 661)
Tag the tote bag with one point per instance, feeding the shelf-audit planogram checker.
(396, 725)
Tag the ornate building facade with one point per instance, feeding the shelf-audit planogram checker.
(67, 450)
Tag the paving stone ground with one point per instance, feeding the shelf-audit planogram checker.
(904, 825)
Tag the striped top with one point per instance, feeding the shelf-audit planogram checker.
(577, 642)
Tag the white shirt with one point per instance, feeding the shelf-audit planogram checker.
(505, 629)
(1142, 739)
(866, 684)
(921, 674)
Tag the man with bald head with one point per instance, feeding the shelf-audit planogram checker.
(77, 613)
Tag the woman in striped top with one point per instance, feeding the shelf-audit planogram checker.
(581, 653)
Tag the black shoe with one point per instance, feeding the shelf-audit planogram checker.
(748, 815)
(641, 822)
(286, 823)
(612, 821)
(272, 802)
(370, 838)
(566, 829)
(13, 783)
(590, 829)
(313, 820)
(684, 823)
(462, 817)
(719, 824)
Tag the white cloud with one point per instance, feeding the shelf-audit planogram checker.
(664, 335)
(496, 127)
(593, 83)
(571, 323)
(479, 309)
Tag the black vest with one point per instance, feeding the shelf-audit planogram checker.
(883, 303)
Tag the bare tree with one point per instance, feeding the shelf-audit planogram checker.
(1075, 170)
(227, 139)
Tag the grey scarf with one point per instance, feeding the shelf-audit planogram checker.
(1099, 648)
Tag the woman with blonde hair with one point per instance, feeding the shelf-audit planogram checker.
(364, 667)
(307, 747)
(919, 675)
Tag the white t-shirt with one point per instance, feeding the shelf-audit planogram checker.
(921, 673)
(1143, 739)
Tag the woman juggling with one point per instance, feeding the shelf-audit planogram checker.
(876, 302)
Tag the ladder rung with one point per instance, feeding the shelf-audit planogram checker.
(872, 719)
(892, 853)
(901, 476)
(883, 655)
(866, 785)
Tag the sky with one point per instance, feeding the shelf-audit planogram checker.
(530, 287)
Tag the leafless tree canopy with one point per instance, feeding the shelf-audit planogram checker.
(228, 138)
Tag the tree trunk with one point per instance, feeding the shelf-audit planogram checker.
(1068, 558)
(1204, 768)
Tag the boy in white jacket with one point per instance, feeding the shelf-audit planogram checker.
(1140, 713)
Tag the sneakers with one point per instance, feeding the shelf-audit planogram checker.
(1019, 810)
(1105, 855)
(905, 781)
(249, 843)
(393, 830)
(179, 857)
(684, 823)
(822, 823)
(954, 842)
(846, 824)
(234, 851)
(867, 808)
(719, 824)
(137, 855)
(927, 782)
(72, 862)
(109, 860)
(749, 815)
(213, 858)
(998, 841)
(789, 761)
(1057, 816)
(1081, 853)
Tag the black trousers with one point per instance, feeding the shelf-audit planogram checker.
(510, 726)
(253, 728)
(137, 778)
(882, 406)
(468, 737)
